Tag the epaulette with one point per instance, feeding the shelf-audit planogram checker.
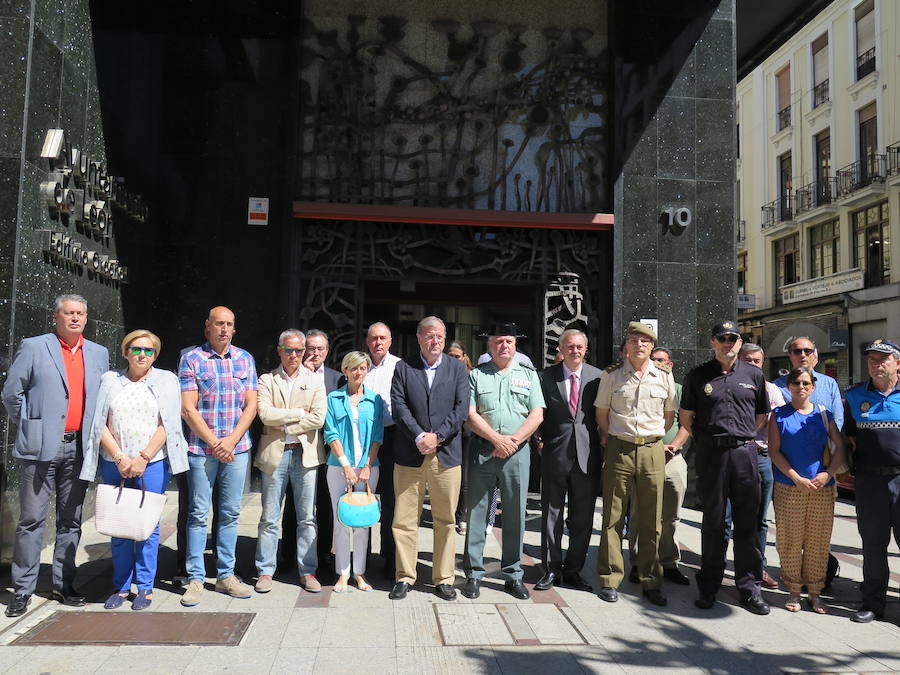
(525, 365)
(665, 367)
(613, 366)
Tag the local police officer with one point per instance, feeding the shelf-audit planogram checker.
(635, 405)
(507, 406)
(723, 402)
(872, 423)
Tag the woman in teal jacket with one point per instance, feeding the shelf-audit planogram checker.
(354, 429)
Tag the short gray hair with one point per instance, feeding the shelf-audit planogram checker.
(315, 332)
(572, 331)
(790, 345)
(751, 348)
(68, 297)
(291, 333)
(663, 349)
(379, 323)
(429, 321)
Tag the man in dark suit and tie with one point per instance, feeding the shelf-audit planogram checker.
(429, 403)
(50, 394)
(571, 461)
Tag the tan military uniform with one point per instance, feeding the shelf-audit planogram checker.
(635, 456)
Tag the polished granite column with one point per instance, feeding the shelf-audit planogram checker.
(674, 80)
(47, 80)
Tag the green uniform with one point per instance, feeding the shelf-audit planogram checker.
(504, 401)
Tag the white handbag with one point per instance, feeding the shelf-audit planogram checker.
(128, 513)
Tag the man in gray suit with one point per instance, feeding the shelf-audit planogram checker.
(571, 462)
(50, 393)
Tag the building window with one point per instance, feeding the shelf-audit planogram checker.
(824, 193)
(872, 245)
(825, 249)
(820, 70)
(787, 263)
(785, 186)
(865, 39)
(742, 273)
(737, 141)
(783, 98)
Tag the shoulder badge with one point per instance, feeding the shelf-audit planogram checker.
(525, 365)
(707, 389)
(864, 406)
(613, 366)
(665, 367)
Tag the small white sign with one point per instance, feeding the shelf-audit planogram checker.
(258, 211)
(653, 323)
(746, 301)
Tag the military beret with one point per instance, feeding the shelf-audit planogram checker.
(640, 329)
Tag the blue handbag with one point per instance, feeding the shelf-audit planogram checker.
(359, 509)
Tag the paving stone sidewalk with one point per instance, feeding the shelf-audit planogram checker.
(559, 632)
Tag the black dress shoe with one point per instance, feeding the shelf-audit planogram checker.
(705, 601)
(546, 582)
(399, 591)
(656, 596)
(755, 604)
(471, 589)
(445, 592)
(633, 575)
(608, 594)
(575, 581)
(18, 605)
(516, 589)
(68, 596)
(862, 615)
(674, 575)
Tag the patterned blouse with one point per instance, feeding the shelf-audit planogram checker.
(133, 419)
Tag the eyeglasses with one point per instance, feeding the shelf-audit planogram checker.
(634, 339)
(433, 338)
(146, 351)
(731, 338)
(807, 351)
(317, 349)
(291, 351)
(802, 383)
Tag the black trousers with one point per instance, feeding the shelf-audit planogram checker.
(583, 491)
(723, 474)
(386, 492)
(877, 513)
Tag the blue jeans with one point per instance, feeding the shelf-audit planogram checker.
(136, 560)
(766, 485)
(204, 472)
(274, 486)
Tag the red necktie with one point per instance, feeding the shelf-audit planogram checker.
(573, 394)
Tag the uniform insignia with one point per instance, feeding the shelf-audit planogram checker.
(877, 342)
(665, 367)
(727, 324)
(864, 406)
(613, 366)
(707, 389)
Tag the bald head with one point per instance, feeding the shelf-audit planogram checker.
(378, 340)
(220, 329)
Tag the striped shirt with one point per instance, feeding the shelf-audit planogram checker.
(220, 382)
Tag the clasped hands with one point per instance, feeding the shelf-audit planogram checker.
(819, 481)
(131, 467)
(353, 476)
(505, 446)
(223, 449)
(428, 444)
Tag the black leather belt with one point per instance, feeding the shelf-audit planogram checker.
(70, 436)
(291, 446)
(728, 441)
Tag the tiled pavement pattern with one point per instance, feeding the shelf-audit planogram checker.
(557, 632)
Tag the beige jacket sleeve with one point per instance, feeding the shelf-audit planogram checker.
(269, 414)
(315, 417)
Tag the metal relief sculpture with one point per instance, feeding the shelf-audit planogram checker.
(333, 263)
(482, 116)
(563, 307)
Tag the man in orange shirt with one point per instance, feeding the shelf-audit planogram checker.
(50, 394)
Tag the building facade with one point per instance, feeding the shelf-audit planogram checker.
(818, 180)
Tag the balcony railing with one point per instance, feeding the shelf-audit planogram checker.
(779, 211)
(784, 118)
(861, 173)
(820, 94)
(814, 195)
(865, 63)
(893, 158)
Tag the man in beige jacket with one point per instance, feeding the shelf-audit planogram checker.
(292, 408)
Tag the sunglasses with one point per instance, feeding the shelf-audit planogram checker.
(291, 351)
(802, 383)
(726, 339)
(808, 351)
(146, 351)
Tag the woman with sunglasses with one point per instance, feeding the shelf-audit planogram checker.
(804, 488)
(136, 437)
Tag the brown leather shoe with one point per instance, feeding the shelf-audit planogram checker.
(310, 584)
(768, 581)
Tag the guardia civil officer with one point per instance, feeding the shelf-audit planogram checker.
(872, 423)
(723, 402)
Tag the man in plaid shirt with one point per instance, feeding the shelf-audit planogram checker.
(218, 403)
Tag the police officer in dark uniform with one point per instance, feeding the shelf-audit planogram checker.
(872, 424)
(723, 402)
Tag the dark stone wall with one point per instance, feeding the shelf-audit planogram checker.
(47, 80)
(674, 79)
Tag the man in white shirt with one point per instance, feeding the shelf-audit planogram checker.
(378, 379)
